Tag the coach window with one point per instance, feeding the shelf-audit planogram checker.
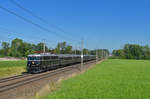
(49, 57)
(45, 57)
(37, 58)
(52, 57)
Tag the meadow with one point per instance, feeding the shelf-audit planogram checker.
(111, 79)
(10, 68)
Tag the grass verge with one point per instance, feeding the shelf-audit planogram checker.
(111, 79)
(10, 68)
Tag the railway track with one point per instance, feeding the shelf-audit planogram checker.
(2, 80)
(30, 78)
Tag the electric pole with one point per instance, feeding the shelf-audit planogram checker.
(43, 46)
(75, 50)
(103, 53)
(96, 56)
(82, 45)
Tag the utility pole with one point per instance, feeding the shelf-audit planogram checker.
(43, 46)
(87, 52)
(75, 50)
(50, 50)
(103, 54)
(96, 55)
(82, 45)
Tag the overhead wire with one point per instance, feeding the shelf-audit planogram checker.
(31, 22)
(5, 30)
(37, 17)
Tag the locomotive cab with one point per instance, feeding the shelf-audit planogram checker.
(33, 63)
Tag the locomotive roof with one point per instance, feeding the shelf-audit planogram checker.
(59, 55)
(43, 54)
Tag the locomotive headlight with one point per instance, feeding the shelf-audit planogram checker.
(32, 62)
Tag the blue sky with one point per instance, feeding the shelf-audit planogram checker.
(101, 23)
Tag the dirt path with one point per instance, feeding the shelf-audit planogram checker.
(11, 59)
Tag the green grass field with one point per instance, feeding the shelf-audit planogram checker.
(112, 79)
(10, 68)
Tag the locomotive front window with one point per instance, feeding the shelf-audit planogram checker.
(37, 58)
(30, 58)
(33, 58)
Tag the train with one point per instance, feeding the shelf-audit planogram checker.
(37, 63)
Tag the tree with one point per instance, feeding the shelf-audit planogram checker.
(68, 49)
(146, 52)
(63, 48)
(100, 52)
(17, 48)
(57, 50)
(119, 53)
(85, 51)
(133, 51)
(27, 49)
(5, 48)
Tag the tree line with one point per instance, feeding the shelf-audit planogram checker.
(133, 51)
(19, 48)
